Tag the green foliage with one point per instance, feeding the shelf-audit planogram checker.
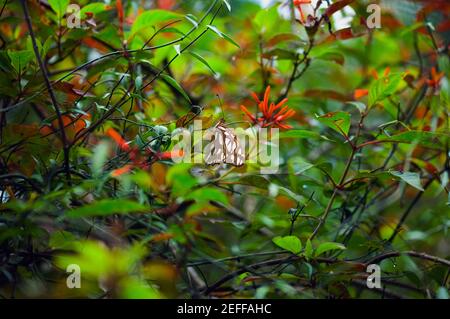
(59, 6)
(412, 179)
(289, 243)
(151, 18)
(107, 207)
(338, 121)
(90, 173)
(325, 247)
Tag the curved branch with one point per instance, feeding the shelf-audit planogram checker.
(116, 53)
(410, 253)
(66, 146)
(266, 263)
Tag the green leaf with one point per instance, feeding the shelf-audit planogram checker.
(266, 20)
(410, 178)
(62, 240)
(254, 180)
(339, 121)
(280, 54)
(99, 157)
(362, 108)
(298, 165)
(107, 207)
(336, 57)
(208, 194)
(308, 249)
(172, 82)
(223, 35)
(289, 243)
(20, 59)
(177, 48)
(328, 246)
(94, 8)
(427, 139)
(5, 62)
(180, 178)
(286, 191)
(192, 19)
(59, 6)
(151, 18)
(384, 87)
(202, 60)
(229, 39)
(227, 4)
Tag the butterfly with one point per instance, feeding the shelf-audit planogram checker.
(224, 147)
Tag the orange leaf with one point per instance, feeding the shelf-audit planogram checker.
(121, 171)
(118, 139)
(90, 42)
(119, 7)
(171, 154)
(337, 6)
(359, 93)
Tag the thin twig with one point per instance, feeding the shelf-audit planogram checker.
(294, 76)
(411, 206)
(124, 99)
(66, 146)
(324, 217)
(378, 259)
(115, 53)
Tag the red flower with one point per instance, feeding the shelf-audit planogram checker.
(272, 114)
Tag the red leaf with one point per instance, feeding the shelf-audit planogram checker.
(444, 26)
(94, 44)
(337, 6)
(120, 171)
(118, 139)
(359, 93)
(342, 34)
(119, 7)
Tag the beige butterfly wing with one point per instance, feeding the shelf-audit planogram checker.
(234, 154)
(214, 152)
(225, 148)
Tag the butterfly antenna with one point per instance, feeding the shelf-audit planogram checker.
(221, 106)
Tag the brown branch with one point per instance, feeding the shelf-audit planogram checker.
(266, 263)
(66, 146)
(83, 134)
(117, 53)
(324, 216)
(408, 210)
(294, 76)
(382, 291)
(410, 253)
(3, 7)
